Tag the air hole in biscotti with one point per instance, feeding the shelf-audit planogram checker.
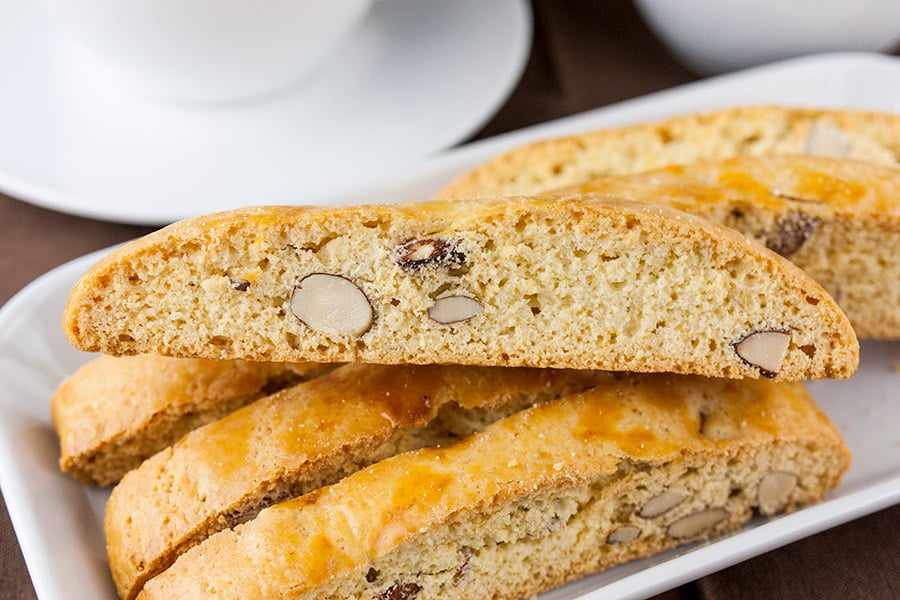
(263, 264)
(665, 135)
(557, 169)
(521, 224)
(811, 300)
(371, 224)
(442, 289)
(124, 337)
(809, 350)
(534, 304)
(220, 341)
(748, 141)
(292, 341)
(318, 244)
(395, 302)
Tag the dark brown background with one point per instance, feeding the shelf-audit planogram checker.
(585, 54)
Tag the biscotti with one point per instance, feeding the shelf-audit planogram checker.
(580, 282)
(113, 413)
(837, 219)
(300, 439)
(548, 495)
(741, 131)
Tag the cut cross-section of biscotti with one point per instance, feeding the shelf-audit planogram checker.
(580, 282)
(741, 131)
(113, 413)
(550, 494)
(837, 219)
(300, 439)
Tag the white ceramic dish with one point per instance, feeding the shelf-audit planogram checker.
(58, 521)
(415, 78)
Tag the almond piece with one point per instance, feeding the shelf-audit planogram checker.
(430, 252)
(453, 309)
(791, 232)
(662, 503)
(825, 139)
(697, 523)
(774, 491)
(332, 304)
(623, 534)
(764, 350)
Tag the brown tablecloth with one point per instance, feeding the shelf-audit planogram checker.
(586, 54)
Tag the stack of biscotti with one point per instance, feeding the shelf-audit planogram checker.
(820, 187)
(539, 388)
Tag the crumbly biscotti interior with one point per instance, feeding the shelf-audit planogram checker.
(627, 469)
(301, 439)
(741, 131)
(837, 219)
(115, 412)
(582, 282)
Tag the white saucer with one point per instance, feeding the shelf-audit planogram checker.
(419, 76)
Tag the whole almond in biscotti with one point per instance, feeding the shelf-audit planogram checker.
(582, 282)
(535, 500)
(838, 220)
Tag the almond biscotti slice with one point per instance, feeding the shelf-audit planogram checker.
(740, 131)
(628, 469)
(113, 413)
(837, 219)
(300, 439)
(580, 282)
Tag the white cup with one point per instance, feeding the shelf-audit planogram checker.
(713, 36)
(210, 50)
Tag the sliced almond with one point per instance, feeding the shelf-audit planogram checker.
(825, 139)
(764, 350)
(453, 309)
(430, 251)
(697, 523)
(623, 534)
(662, 503)
(774, 491)
(332, 304)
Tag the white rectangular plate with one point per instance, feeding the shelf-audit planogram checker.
(59, 522)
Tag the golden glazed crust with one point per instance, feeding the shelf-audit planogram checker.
(579, 282)
(299, 439)
(837, 219)
(114, 412)
(530, 502)
(741, 131)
